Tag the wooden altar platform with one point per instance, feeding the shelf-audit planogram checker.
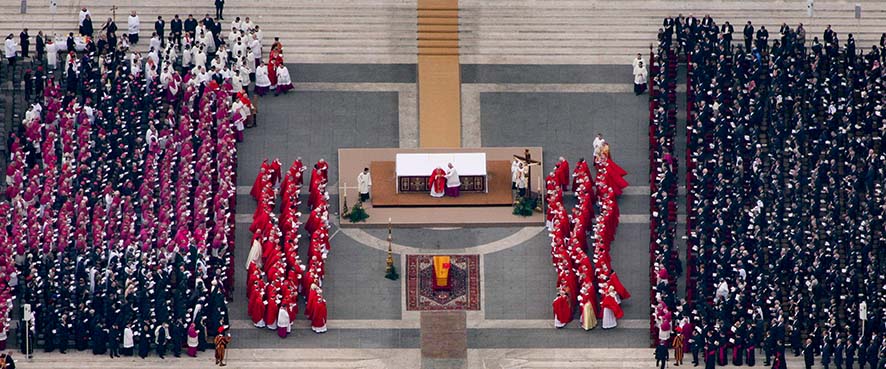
(385, 188)
(420, 209)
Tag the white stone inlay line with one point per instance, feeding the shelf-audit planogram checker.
(518, 237)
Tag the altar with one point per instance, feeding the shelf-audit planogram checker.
(400, 192)
(414, 170)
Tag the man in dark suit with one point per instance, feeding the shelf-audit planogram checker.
(160, 27)
(191, 25)
(808, 354)
(175, 27)
(219, 7)
(24, 41)
(748, 36)
(40, 46)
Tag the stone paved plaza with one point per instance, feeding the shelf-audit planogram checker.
(549, 74)
(559, 108)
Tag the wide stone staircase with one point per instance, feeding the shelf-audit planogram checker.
(328, 31)
(605, 32)
(489, 31)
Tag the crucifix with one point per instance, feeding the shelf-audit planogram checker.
(527, 158)
(114, 12)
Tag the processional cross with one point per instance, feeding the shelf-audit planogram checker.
(527, 158)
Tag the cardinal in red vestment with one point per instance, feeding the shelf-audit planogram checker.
(437, 182)
(318, 318)
(272, 307)
(562, 173)
(260, 181)
(562, 310)
(256, 305)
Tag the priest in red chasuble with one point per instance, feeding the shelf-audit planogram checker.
(437, 182)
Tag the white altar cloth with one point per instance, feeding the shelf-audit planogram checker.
(467, 164)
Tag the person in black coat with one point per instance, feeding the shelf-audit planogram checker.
(70, 42)
(191, 25)
(827, 349)
(873, 350)
(661, 355)
(862, 353)
(839, 348)
(40, 46)
(29, 84)
(795, 339)
(162, 339)
(748, 36)
(7, 361)
(86, 29)
(808, 354)
(24, 42)
(62, 334)
(144, 342)
(23, 342)
(160, 28)
(851, 348)
(175, 29)
(179, 335)
(114, 341)
(110, 28)
(219, 8)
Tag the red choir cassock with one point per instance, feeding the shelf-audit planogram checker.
(256, 307)
(260, 181)
(437, 180)
(318, 318)
(562, 310)
(273, 307)
(609, 302)
(562, 174)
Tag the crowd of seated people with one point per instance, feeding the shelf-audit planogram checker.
(785, 195)
(276, 275)
(120, 214)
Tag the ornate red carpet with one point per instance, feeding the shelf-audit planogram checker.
(465, 292)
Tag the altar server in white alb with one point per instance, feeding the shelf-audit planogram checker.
(452, 181)
(364, 184)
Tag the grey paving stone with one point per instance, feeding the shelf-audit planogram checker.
(565, 124)
(514, 73)
(556, 338)
(355, 73)
(507, 281)
(315, 125)
(520, 281)
(444, 238)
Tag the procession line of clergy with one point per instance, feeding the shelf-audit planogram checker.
(276, 273)
(663, 196)
(581, 279)
(105, 197)
(274, 75)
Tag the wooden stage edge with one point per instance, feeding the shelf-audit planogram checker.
(492, 209)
